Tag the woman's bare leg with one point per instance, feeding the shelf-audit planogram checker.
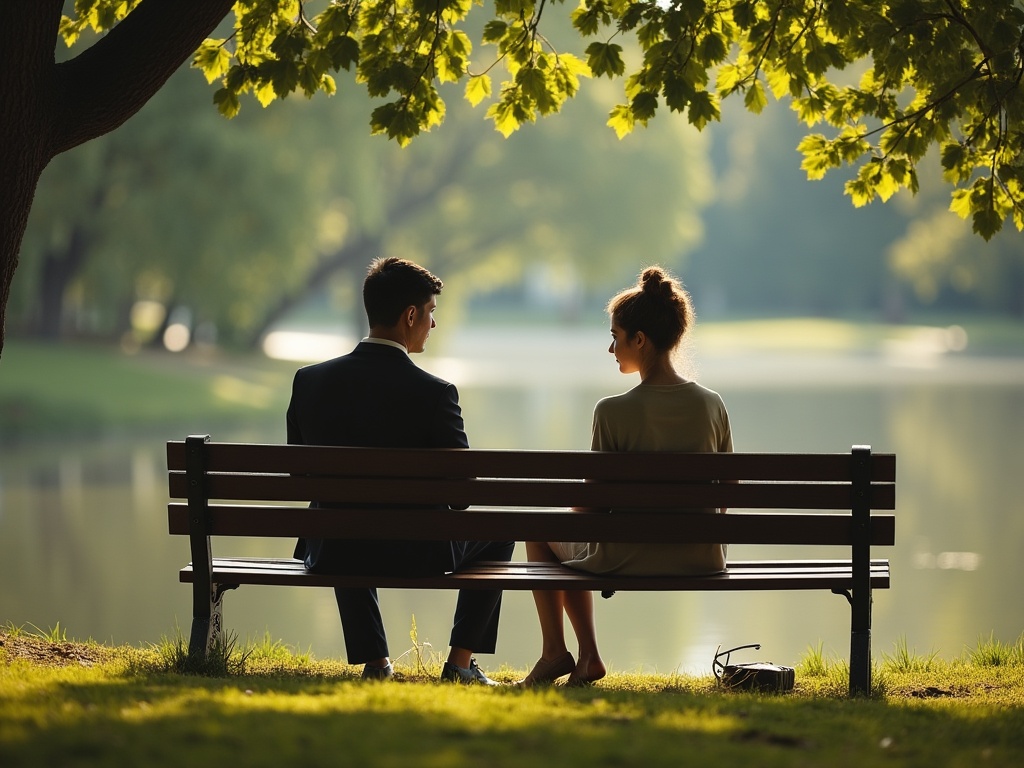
(550, 605)
(579, 606)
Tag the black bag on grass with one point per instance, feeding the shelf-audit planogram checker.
(756, 676)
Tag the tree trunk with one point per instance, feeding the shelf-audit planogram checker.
(28, 31)
(48, 108)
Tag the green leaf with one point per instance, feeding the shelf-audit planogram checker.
(227, 102)
(887, 185)
(212, 59)
(396, 122)
(744, 14)
(585, 20)
(620, 119)
(650, 34)
(69, 30)
(335, 21)
(265, 93)
(506, 114)
(703, 109)
(309, 80)
(713, 48)
(780, 81)
(960, 203)
(478, 88)
(987, 222)
(319, 61)
(605, 59)
(285, 77)
(513, 7)
(955, 162)
(728, 79)
(819, 155)
(533, 83)
(237, 78)
(494, 30)
(574, 64)
(860, 191)
(344, 52)
(677, 93)
(643, 106)
(755, 98)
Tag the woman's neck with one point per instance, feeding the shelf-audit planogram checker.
(660, 371)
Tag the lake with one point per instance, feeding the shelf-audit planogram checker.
(83, 533)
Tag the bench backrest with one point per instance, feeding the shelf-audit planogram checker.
(373, 492)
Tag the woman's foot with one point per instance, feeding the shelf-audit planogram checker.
(548, 670)
(588, 670)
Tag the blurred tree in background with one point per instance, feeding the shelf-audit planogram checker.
(171, 210)
(238, 228)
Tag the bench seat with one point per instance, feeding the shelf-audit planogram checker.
(741, 575)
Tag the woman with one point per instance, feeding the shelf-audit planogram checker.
(665, 412)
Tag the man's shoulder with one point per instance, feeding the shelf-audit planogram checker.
(373, 360)
(429, 379)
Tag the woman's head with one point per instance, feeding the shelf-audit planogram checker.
(658, 305)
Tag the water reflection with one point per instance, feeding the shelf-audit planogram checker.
(83, 538)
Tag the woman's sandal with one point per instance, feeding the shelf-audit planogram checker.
(548, 671)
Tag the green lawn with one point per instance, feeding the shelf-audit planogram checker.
(51, 390)
(124, 706)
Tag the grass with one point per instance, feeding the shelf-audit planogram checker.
(61, 390)
(127, 706)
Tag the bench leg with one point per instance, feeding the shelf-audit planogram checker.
(860, 600)
(860, 641)
(860, 663)
(207, 623)
(860, 644)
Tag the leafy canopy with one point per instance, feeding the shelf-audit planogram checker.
(891, 78)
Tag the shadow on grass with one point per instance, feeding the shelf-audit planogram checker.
(173, 720)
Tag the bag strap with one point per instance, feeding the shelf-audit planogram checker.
(718, 667)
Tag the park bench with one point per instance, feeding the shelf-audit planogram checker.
(773, 499)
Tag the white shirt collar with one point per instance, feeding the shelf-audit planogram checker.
(386, 343)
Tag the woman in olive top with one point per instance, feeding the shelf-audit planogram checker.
(665, 412)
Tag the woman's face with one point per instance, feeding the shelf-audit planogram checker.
(625, 348)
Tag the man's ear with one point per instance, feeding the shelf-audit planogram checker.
(410, 315)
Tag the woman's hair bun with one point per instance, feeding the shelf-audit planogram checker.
(654, 280)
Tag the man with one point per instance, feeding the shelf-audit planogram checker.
(376, 396)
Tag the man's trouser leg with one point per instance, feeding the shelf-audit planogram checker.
(475, 626)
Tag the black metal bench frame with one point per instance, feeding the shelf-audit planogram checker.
(803, 499)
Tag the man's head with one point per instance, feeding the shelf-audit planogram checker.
(399, 297)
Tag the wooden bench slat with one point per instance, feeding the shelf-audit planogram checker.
(756, 575)
(800, 528)
(534, 493)
(639, 466)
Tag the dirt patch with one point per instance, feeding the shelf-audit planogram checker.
(51, 654)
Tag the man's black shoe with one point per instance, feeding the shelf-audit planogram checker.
(472, 676)
(371, 672)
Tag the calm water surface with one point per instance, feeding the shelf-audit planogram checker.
(83, 538)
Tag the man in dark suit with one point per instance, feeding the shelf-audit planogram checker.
(376, 396)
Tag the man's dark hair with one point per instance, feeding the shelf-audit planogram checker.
(392, 285)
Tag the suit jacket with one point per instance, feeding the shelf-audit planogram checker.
(374, 396)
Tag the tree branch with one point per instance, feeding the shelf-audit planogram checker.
(106, 84)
